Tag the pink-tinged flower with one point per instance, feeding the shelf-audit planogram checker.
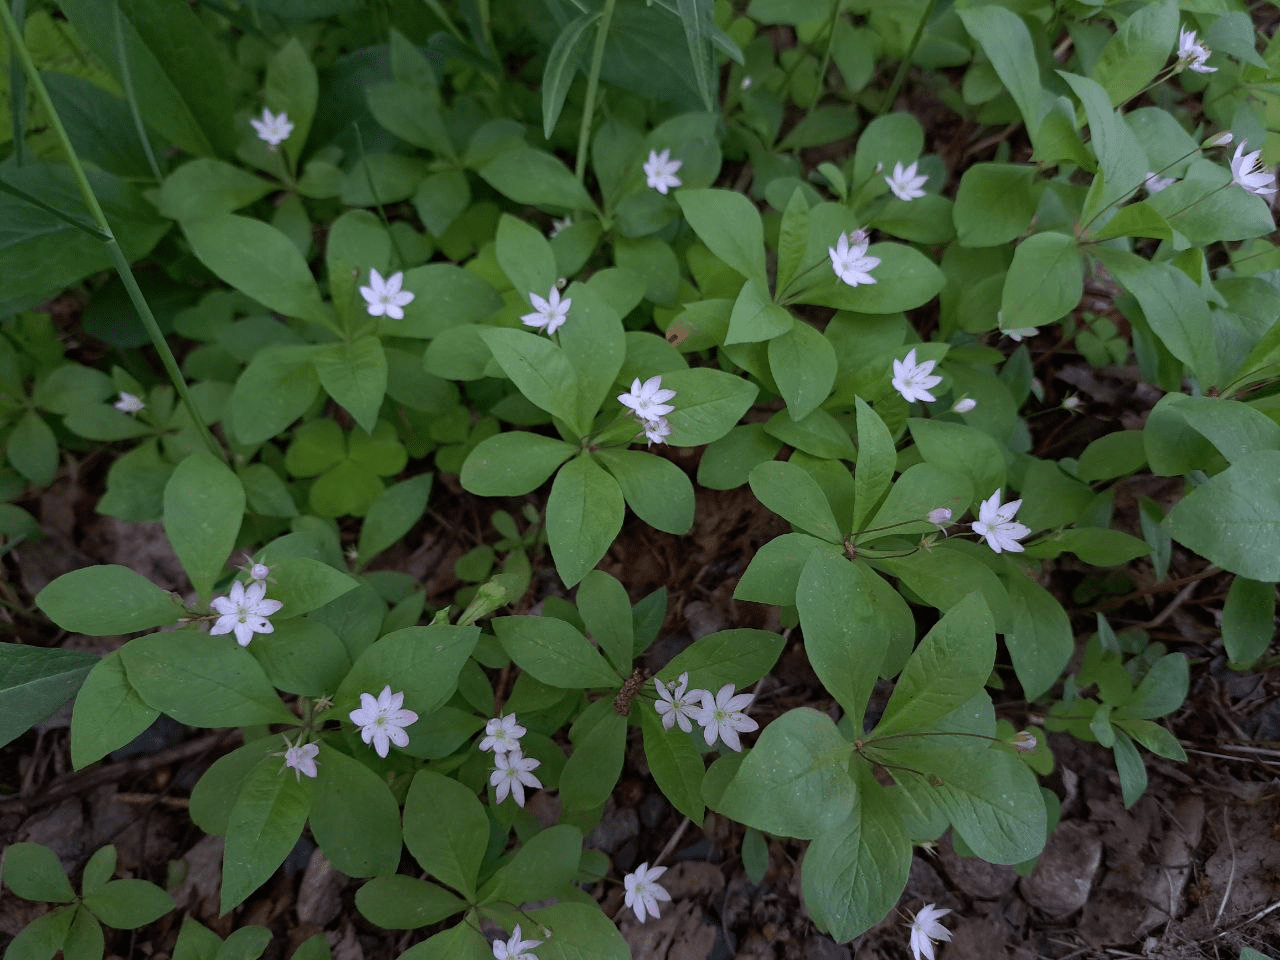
(301, 758)
(925, 929)
(385, 296)
(549, 314)
(1192, 53)
(515, 948)
(1248, 171)
(643, 890)
(722, 716)
(676, 705)
(512, 773)
(657, 431)
(939, 516)
(996, 525)
(648, 400)
(382, 721)
(244, 610)
(502, 735)
(914, 380)
(850, 261)
(273, 129)
(660, 171)
(905, 184)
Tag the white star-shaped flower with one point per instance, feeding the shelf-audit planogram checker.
(643, 890)
(721, 716)
(657, 430)
(850, 261)
(996, 525)
(301, 758)
(648, 399)
(512, 773)
(1018, 334)
(245, 611)
(1192, 53)
(914, 380)
(382, 721)
(1247, 170)
(502, 734)
(128, 403)
(676, 704)
(550, 314)
(1155, 184)
(385, 296)
(515, 948)
(273, 129)
(905, 184)
(925, 929)
(660, 171)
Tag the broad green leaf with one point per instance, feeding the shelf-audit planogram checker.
(129, 904)
(819, 434)
(361, 846)
(1233, 519)
(85, 940)
(539, 369)
(905, 278)
(594, 342)
(206, 187)
(1122, 163)
(393, 515)
(584, 514)
(877, 460)
(593, 768)
(526, 258)
(203, 507)
(215, 792)
(99, 869)
(512, 464)
(266, 821)
(606, 612)
(1248, 620)
(794, 495)
(554, 652)
(354, 374)
(558, 74)
(446, 829)
(729, 224)
(774, 572)
(44, 936)
(803, 364)
(98, 124)
(108, 712)
(422, 662)
(843, 637)
(33, 449)
(674, 762)
(854, 874)
(727, 462)
(1235, 429)
(739, 656)
(1038, 633)
(1137, 51)
(303, 584)
(540, 869)
(445, 297)
(580, 930)
(1133, 772)
(920, 488)
(795, 781)
(755, 316)
(1135, 220)
(793, 235)
(304, 657)
(531, 176)
(32, 871)
(1097, 546)
(945, 576)
(1044, 282)
(202, 681)
(413, 113)
(1114, 455)
(357, 242)
(1162, 691)
(462, 942)
(951, 664)
(1007, 42)
(35, 682)
(995, 203)
(397, 902)
(293, 88)
(107, 600)
(967, 450)
(655, 488)
(258, 260)
(279, 385)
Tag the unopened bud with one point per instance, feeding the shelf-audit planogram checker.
(964, 405)
(259, 571)
(940, 516)
(1220, 139)
(1025, 741)
(746, 83)
(1071, 404)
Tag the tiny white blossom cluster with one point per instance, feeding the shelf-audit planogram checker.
(721, 715)
(512, 770)
(648, 401)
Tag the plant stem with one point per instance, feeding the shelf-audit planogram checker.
(901, 75)
(18, 92)
(826, 53)
(118, 258)
(593, 83)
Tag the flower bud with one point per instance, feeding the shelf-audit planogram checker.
(940, 516)
(964, 405)
(1071, 404)
(1220, 139)
(1025, 741)
(259, 571)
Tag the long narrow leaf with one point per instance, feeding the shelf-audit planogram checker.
(18, 91)
(692, 16)
(561, 69)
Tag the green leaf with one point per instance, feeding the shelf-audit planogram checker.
(795, 781)
(446, 829)
(423, 662)
(393, 515)
(398, 902)
(580, 930)
(1098, 546)
(279, 385)
(354, 374)
(1122, 163)
(413, 113)
(525, 257)
(854, 874)
(1133, 772)
(594, 342)
(1007, 42)
(540, 869)
(1044, 282)
(266, 821)
(359, 846)
(905, 278)
(675, 764)
(1137, 51)
(727, 462)
(877, 460)
(461, 942)
(949, 667)
(206, 187)
(512, 464)
(303, 656)
(203, 506)
(606, 612)
(35, 682)
(99, 124)
(655, 488)
(803, 364)
(729, 224)
(774, 572)
(98, 870)
(1162, 691)
(1112, 455)
(1248, 619)
(202, 681)
(755, 317)
(794, 495)
(540, 371)
(843, 637)
(554, 652)
(106, 601)
(739, 656)
(593, 768)
(962, 448)
(129, 904)
(293, 88)
(32, 871)
(84, 940)
(1233, 519)
(1038, 634)
(43, 936)
(108, 712)
(995, 203)
(215, 792)
(531, 176)
(1135, 220)
(258, 260)
(559, 72)
(33, 449)
(584, 515)
(303, 584)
